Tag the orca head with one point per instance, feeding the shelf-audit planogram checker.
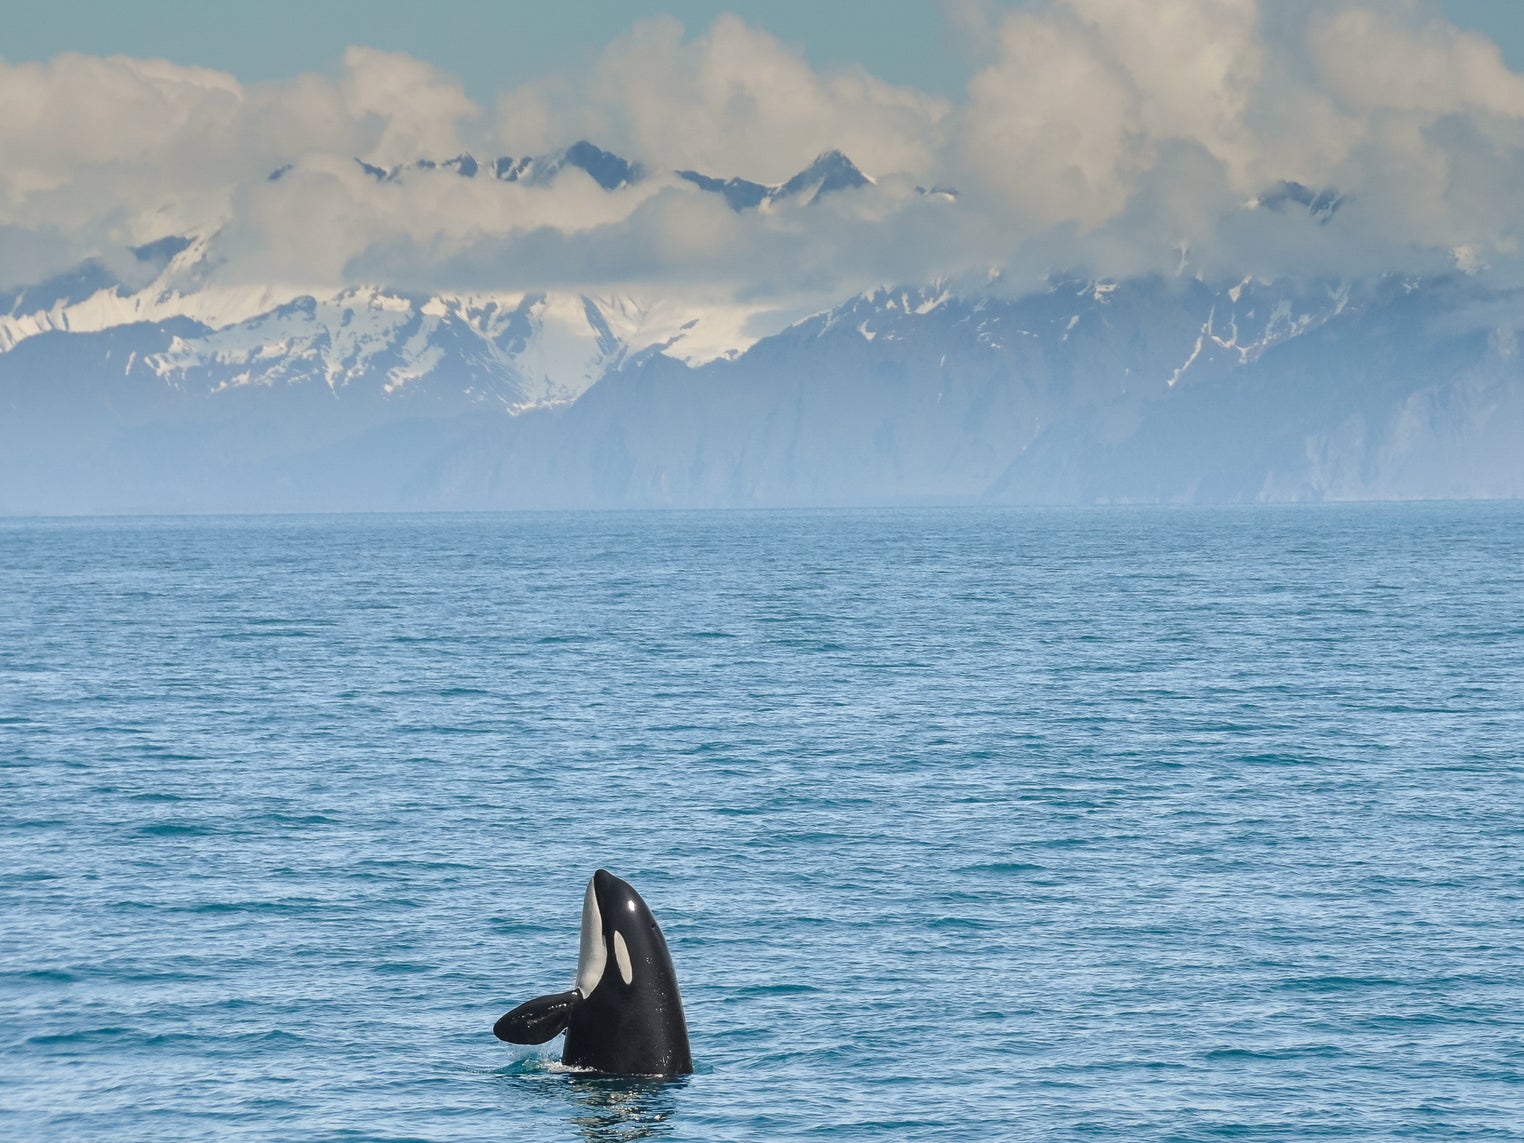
(625, 1015)
(622, 946)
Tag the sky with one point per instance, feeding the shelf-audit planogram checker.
(495, 44)
(1105, 137)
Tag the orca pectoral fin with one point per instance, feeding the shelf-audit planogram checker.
(537, 1020)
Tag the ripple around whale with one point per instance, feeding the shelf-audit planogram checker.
(1115, 824)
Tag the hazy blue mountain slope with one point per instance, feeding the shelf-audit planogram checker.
(1068, 396)
(86, 426)
(1151, 390)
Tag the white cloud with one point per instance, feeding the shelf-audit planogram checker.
(1374, 62)
(126, 150)
(1135, 129)
(733, 101)
(418, 110)
(29, 255)
(86, 140)
(1104, 136)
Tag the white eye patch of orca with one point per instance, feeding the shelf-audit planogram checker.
(594, 953)
(622, 958)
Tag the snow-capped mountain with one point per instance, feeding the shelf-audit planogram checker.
(513, 352)
(1140, 391)
(831, 171)
(144, 382)
(608, 170)
(516, 350)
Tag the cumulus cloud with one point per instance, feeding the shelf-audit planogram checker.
(679, 241)
(1096, 136)
(1138, 129)
(412, 108)
(29, 255)
(126, 149)
(732, 100)
(320, 223)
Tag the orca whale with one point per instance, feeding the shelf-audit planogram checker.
(624, 1017)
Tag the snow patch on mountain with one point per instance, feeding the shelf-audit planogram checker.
(180, 290)
(517, 351)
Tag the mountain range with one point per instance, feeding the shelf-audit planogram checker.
(139, 382)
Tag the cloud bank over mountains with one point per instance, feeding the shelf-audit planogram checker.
(1097, 137)
(1190, 251)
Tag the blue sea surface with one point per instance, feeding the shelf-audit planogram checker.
(1121, 824)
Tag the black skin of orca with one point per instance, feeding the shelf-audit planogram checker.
(619, 1028)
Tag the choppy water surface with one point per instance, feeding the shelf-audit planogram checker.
(1122, 824)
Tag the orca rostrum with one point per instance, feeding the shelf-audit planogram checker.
(624, 1017)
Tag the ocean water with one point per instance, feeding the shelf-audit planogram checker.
(1122, 824)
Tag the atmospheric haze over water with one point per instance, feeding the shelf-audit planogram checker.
(1139, 824)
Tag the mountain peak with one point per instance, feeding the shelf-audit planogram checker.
(1321, 204)
(607, 169)
(831, 171)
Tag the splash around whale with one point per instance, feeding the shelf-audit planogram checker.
(624, 1016)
